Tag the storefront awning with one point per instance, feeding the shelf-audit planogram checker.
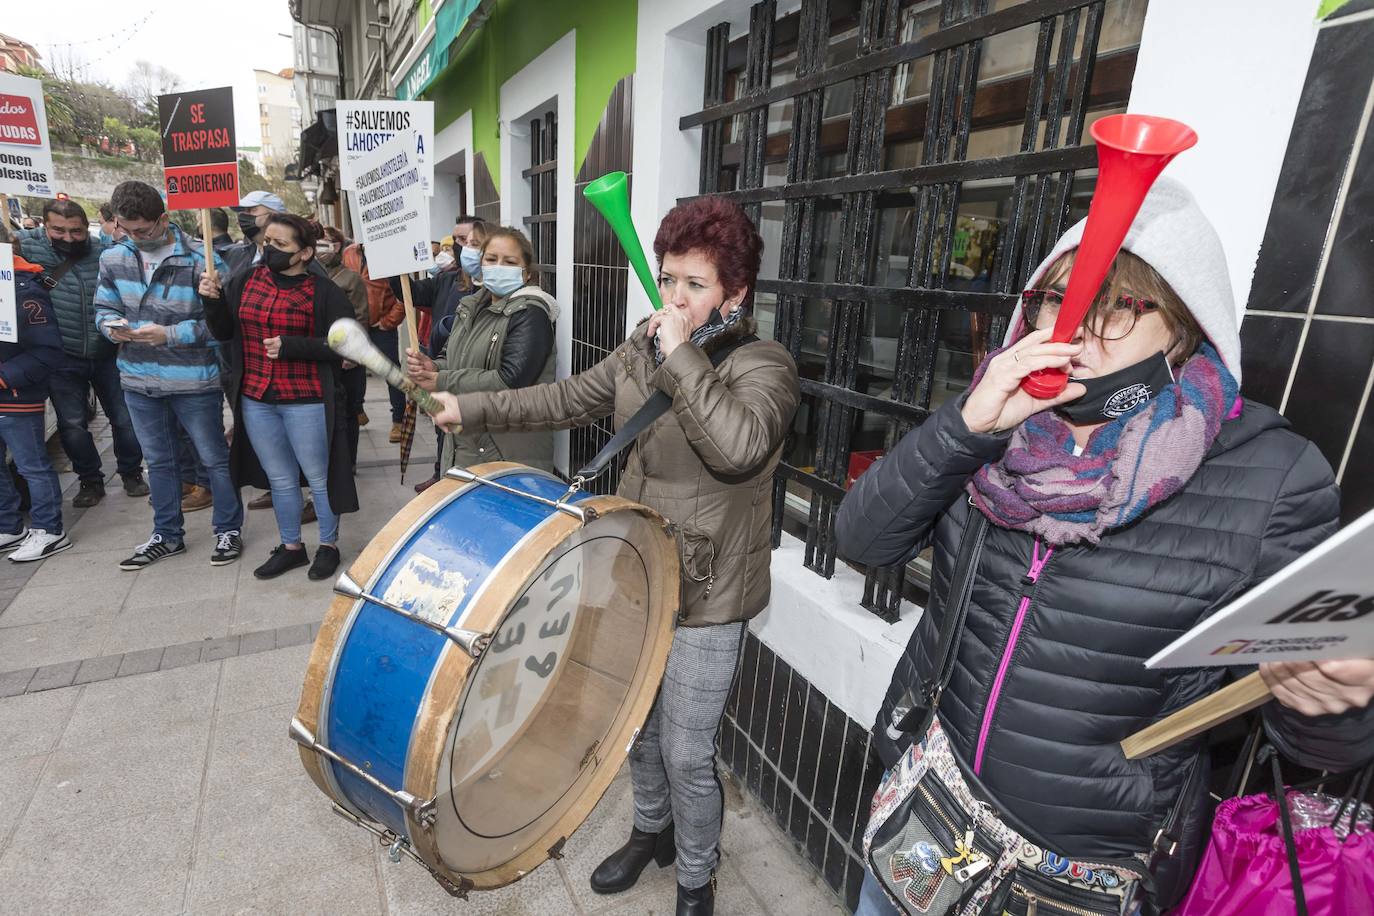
(319, 142)
(450, 17)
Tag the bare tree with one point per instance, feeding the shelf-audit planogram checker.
(147, 81)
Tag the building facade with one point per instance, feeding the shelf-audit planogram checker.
(279, 117)
(16, 54)
(908, 163)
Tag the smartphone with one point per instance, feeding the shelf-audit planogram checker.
(117, 323)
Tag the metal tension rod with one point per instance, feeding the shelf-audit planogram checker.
(423, 810)
(467, 476)
(471, 641)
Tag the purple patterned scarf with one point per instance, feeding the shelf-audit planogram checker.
(1128, 466)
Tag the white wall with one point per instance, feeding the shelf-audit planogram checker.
(547, 81)
(452, 157)
(1232, 70)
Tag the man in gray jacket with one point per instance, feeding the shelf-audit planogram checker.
(70, 259)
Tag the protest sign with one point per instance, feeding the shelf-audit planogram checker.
(199, 157)
(25, 153)
(1321, 606)
(9, 309)
(392, 209)
(366, 125)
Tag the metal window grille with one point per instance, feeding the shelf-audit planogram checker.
(541, 224)
(896, 207)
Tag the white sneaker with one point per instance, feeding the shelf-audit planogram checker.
(40, 545)
(11, 541)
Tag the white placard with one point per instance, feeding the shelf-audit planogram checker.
(25, 150)
(1320, 606)
(366, 125)
(392, 209)
(9, 308)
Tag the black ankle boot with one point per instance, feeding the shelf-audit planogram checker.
(621, 869)
(698, 901)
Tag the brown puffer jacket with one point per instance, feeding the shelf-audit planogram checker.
(706, 465)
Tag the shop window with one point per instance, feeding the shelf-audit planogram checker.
(542, 223)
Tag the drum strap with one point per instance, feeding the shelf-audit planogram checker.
(644, 417)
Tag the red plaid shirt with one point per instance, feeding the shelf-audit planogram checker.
(267, 310)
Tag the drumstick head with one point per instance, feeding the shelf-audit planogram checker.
(349, 339)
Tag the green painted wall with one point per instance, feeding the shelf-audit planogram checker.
(518, 32)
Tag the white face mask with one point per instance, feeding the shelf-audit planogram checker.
(444, 261)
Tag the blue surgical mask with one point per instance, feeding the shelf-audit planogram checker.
(503, 279)
(471, 260)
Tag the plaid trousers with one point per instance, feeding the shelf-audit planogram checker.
(673, 764)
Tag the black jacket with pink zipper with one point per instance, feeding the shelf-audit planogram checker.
(1050, 671)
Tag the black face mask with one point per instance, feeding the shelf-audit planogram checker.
(71, 249)
(249, 224)
(1118, 393)
(276, 260)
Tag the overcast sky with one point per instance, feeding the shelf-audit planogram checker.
(208, 44)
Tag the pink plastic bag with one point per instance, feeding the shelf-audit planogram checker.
(1245, 871)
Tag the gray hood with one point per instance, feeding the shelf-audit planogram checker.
(1172, 235)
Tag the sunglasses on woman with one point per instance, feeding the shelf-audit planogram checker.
(1040, 307)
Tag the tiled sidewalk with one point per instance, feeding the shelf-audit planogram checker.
(162, 780)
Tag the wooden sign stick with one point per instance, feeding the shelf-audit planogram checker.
(410, 314)
(205, 235)
(1227, 703)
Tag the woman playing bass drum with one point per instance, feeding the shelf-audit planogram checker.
(706, 465)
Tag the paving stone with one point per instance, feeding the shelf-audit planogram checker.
(50, 677)
(133, 866)
(293, 636)
(265, 679)
(410, 891)
(216, 649)
(267, 834)
(37, 644)
(126, 775)
(251, 747)
(185, 654)
(17, 780)
(140, 662)
(98, 669)
(31, 724)
(148, 704)
(341, 887)
(136, 628)
(259, 641)
(13, 683)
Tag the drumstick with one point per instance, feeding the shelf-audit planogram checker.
(348, 339)
(1228, 702)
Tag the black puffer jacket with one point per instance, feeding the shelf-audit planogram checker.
(1076, 684)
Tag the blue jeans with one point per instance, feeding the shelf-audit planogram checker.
(69, 387)
(292, 440)
(872, 900)
(190, 470)
(389, 342)
(21, 434)
(202, 416)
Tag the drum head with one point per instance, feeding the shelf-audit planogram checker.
(538, 714)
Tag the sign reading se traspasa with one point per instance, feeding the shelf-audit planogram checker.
(1321, 606)
(199, 156)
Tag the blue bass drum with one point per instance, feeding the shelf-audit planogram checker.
(484, 668)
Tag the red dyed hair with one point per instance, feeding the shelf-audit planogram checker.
(719, 229)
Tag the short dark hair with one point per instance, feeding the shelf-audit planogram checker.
(66, 209)
(300, 227)
(137, 200)
(219, 220)
(468, 218)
